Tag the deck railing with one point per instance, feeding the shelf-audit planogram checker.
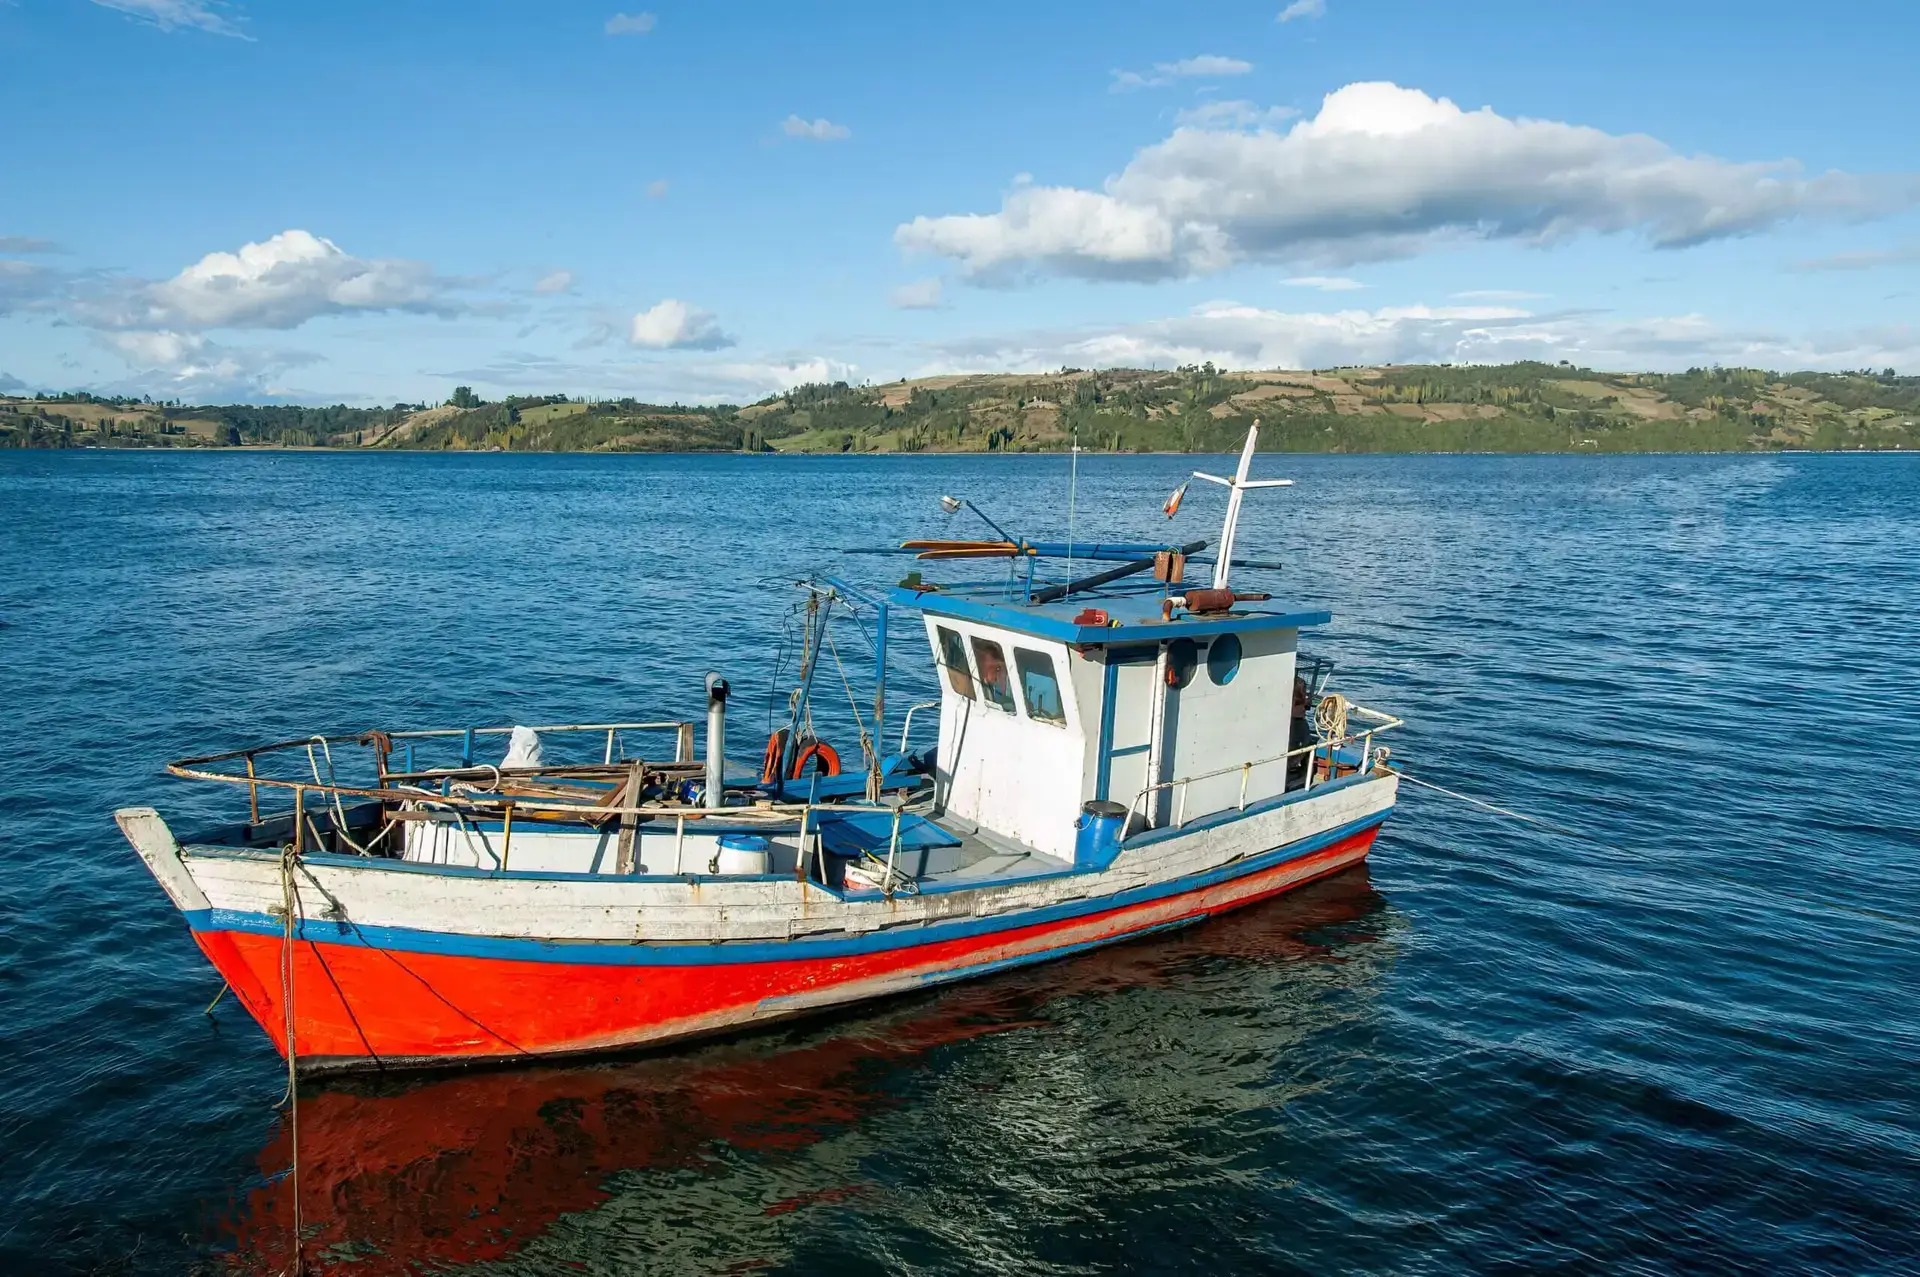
(906, 728)
(1314, 751)
(405, 787)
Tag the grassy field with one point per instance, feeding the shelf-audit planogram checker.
(1527, 407)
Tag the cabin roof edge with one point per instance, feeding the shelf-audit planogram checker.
(1058, 621)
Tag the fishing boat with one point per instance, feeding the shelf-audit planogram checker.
(1114, 752)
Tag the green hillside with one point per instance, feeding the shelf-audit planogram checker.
(1526, 407)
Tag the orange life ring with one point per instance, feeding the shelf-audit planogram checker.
(829, 759)
(776, 750)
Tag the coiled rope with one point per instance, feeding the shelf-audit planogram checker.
(1330, 716)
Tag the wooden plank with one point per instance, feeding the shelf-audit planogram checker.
(623, 857)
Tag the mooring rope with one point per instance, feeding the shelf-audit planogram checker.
(1838, 906)
(859, 722)
(288, 898)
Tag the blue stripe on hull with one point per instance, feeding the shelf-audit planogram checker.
(697, 953)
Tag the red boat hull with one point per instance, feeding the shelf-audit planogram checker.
(361, 1006)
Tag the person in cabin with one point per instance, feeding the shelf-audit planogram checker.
(1299, 733)
(993, 675)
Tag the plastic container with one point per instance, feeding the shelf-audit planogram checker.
(744, 854)
(1097, 834)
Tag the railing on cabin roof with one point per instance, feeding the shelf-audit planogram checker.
(1314, 751)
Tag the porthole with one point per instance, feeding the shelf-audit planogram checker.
(1223, 659)
(1183, 657)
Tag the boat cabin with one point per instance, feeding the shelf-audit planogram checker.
(1044, 708)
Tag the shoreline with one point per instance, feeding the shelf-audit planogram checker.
(331, 450)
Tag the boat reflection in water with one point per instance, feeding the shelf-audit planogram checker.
(724, 1156)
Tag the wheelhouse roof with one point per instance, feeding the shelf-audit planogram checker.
(1132, 617)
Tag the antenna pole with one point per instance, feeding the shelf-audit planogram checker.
(1236, 487)
(1232, 525)
(1073, 484)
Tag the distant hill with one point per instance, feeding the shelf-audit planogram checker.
(1525, 407)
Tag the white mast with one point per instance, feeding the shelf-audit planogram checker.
(1235, 487)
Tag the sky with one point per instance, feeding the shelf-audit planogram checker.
(230, 200)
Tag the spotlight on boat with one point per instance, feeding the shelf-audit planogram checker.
(951, 504)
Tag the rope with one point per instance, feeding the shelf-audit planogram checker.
(1837, 906)
(338, 911)
(866, 744)
(288, 898)
(1513, 815)
(1330, 716)
(332, 787)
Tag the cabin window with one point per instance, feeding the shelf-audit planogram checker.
(1038, 686)
(1223, 659)
(953, 656)
(994, 684)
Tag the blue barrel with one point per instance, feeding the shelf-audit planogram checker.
(1097, 834)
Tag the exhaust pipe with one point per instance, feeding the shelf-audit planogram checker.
(716, 742)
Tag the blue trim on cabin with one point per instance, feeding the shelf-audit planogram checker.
(1103, 768)
(1110, 684)
(704, 953)
(1055, 620)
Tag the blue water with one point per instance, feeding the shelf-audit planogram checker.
(1685, 1043)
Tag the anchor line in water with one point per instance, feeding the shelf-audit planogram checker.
(1838, 906)
(326, 968)
(439, 996)
(288, 898)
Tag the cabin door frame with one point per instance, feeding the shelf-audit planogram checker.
(1135, 674)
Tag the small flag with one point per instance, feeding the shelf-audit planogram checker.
(1172, 506)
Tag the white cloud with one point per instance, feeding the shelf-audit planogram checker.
(27, 285)
(1303, 9)
(821, 130)
(1233, 335)
(1864, 259)
(674, 325)
(281, 282)
(1497, 295)
(1234, 114)
(1205, 65)
(921, 294)
(631, 23)
(692, 379)
(1325, 283)
(27, 244)
(555, 281)
(192, 367)
(174, 15)
(734, 380)
(1383, 172)
(657, 189)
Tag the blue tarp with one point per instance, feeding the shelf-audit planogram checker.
(849, 833)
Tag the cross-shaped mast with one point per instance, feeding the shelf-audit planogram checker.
(1235, 487)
